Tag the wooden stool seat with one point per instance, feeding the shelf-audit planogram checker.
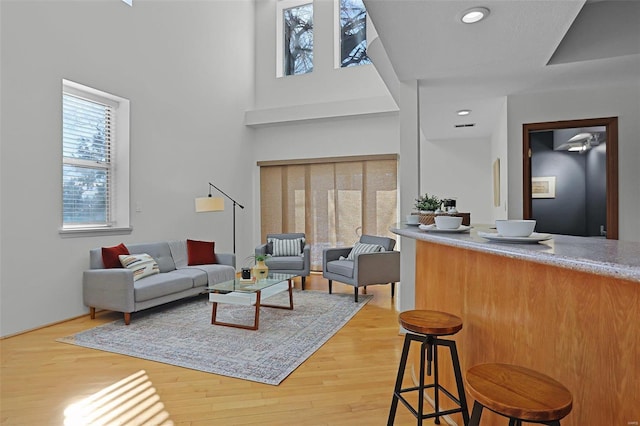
(519, 393)
(433, 323)
(425, 327)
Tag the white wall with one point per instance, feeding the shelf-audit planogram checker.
(461, 169)
(605, 101)
(187, 69)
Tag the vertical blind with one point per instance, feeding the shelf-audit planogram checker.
(332, 202)
(87, 141)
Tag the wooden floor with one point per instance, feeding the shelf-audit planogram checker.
(348, 381)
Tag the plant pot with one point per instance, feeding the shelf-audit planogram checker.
(260, 271)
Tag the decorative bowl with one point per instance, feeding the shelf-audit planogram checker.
(413, 219)
(448, 222)
(515, 228)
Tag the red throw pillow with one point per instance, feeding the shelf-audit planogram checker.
(201, 252)
(110, 255)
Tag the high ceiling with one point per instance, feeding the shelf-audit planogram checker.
(523, 46)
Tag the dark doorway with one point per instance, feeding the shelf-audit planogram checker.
(574, 166)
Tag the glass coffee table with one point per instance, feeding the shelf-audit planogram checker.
(250, 293)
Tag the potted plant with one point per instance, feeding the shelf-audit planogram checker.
(260, 270)
(256, 258)
(426, 203)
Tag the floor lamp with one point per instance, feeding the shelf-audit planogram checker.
(216, 204)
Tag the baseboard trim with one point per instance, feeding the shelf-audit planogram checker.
(43, 326)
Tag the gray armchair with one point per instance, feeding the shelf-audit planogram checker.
(366, 268)
(299, 265)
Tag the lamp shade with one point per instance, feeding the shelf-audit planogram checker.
(209, 204)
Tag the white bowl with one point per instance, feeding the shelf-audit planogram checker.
(413, 219)
(448, 222)
(515, 228)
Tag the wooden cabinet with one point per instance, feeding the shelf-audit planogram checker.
(580, 328)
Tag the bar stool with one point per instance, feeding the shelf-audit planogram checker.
(517, 393)
(426, 327)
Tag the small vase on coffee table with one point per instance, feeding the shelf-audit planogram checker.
(260, 271)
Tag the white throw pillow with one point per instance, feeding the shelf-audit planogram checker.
(359, 248)
(142, 265)
(287, 247)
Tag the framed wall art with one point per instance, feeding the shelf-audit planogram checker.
(543, 187)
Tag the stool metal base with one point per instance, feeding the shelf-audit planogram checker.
(429, 347)
(477, 413)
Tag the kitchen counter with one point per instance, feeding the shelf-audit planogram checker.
(567, 307)
(619, 259)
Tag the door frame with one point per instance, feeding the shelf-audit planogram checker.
(611, 124)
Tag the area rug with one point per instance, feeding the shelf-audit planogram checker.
(181, 334)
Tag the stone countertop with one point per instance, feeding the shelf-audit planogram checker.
(619, 259)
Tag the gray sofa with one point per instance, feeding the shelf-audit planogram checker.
(115, 290)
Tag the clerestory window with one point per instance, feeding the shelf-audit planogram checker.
(295, 22)
(353, 33)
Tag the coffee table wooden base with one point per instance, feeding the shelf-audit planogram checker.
(258, 305)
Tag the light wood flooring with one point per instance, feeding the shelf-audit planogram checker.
(348, 381)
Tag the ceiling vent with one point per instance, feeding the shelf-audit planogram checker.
(464, 125)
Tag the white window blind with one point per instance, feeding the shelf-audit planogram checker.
(87, 149)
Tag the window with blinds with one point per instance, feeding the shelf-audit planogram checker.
(95, 161)
(332, 200)
(88, 129)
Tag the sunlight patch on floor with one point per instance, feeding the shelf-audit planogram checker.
(131, 401)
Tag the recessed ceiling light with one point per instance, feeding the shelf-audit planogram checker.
(475, 14)
(464, 112)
